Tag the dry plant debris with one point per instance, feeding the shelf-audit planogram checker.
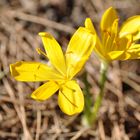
(23, 118)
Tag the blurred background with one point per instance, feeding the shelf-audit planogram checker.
(22, 118)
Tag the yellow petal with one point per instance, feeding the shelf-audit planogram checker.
(111, 38)
(45, 91)
(114, 28)
(98, 46)
(89, 25)
(79, 50)
(33, 71)
(70, 99)
(108, 18)
(133, 52)
(54, 52)
(115, 55)
(131, 26)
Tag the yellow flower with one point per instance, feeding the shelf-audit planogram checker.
(115, 43)
(59, 74)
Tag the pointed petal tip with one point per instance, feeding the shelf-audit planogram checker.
(108, 18)
(13, 70)
(42, 34)
(88, 19)
(111, 7)
(11, 66)
(33, 96)
(89, 25)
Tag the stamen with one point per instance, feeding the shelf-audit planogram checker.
(130, 41)
(107, 32)
(39, 51)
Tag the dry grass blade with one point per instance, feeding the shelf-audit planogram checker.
(20, 113)
(39, 20)
(26, 119)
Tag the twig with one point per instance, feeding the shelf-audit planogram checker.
(39, 20)
(131, 83)
(8, 134)
(11, 94)
(79, 133)
(101, 130)
(38, 124)
(116, 133)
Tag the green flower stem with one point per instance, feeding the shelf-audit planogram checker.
(97, 104)
(88, 102)
(90, 113)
